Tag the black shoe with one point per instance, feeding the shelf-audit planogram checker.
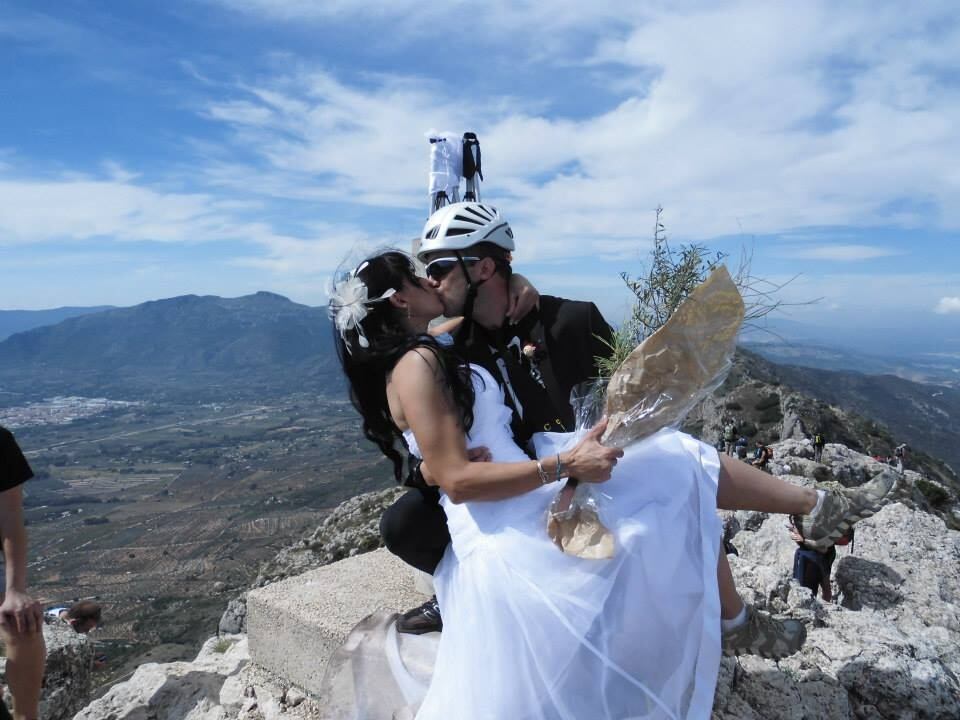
(420, 620)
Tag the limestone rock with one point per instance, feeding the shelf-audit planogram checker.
(234, 618)
(889, 649)
(177, 690)
(353, 527)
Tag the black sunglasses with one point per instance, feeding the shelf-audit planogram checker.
(441, 267)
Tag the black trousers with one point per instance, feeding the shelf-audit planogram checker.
(414, 529)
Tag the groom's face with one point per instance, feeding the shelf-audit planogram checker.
(452, 285)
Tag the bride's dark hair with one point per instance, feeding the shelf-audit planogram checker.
(387, 339)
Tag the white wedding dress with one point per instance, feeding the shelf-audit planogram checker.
(530, 633)
(533, 634)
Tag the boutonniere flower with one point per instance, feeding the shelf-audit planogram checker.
(533, 353)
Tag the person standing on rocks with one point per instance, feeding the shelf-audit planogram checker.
(741, 448)
(818, 442)
(729, 437)
(900, 453)
(537, 362)
(811, 567)
(21, 617)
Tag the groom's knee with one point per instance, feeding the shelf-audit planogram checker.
(414, 528)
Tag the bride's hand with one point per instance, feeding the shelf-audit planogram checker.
(524, 297)
(590, 461)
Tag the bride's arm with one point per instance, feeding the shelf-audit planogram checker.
(424, 406)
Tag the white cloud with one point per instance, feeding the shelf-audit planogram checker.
(325, 247)
(872, 297)
(76, 208)
(947, 306)
(840, 253)
(759, 116)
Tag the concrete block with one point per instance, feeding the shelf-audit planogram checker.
(295, 625)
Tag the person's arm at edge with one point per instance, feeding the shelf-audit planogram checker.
(26, 613)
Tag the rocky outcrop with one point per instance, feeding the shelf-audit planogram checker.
(220, 684)
(68, 676)
(889, 647)
(353, 527)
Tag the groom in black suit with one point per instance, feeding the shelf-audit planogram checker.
(537, 362)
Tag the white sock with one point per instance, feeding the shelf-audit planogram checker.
(821, 494)
(734, 622)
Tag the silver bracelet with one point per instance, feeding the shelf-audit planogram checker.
(544, 478)
(559, 468)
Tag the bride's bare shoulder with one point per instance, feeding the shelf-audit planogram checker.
(416, 364)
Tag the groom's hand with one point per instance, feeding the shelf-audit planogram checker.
(479, 454)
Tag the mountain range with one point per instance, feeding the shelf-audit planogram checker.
(15, 321)
(264, 344)
(256, 343)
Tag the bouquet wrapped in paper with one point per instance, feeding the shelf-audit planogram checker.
(655, 387)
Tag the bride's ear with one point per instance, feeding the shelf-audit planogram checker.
(398, 302)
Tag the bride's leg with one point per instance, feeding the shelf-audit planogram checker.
(730, 601)
(748, 631)
(821, 516)
(744, 487)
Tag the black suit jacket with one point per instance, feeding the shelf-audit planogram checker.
(564, 338)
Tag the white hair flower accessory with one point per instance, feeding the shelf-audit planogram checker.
(349, 299)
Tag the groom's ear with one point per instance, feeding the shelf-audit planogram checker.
(486, 268)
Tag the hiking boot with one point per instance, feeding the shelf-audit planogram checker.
(843, 508)
(765, 636)
(420, 620)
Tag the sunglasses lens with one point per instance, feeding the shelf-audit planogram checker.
(440, 268)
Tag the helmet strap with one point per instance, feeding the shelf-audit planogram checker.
(467, 326)
(472, 288)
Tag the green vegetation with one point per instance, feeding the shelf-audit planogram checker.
(671, 275)
(768, 401)
(222, 645)
(935, 495)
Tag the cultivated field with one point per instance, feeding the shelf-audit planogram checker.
(165, 512)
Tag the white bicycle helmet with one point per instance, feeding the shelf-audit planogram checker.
(460, 225)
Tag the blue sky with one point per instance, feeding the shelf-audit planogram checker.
(227, 146)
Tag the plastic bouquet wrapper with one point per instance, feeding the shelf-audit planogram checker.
(664, 378)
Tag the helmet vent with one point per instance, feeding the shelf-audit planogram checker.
(464, 218)
(458, 231)
(485, 215)
(494, 229)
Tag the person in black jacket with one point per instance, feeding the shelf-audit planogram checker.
(21, 617)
